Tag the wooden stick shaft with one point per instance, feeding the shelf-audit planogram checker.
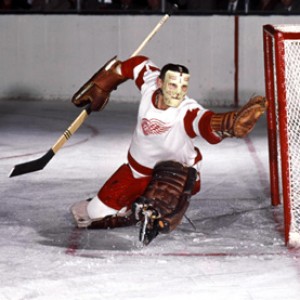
(151, 34)
(70, 131)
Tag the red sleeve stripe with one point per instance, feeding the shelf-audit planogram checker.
(198, 157)
(128, 66)
(205, 129)
(140, 79)
(188, 122)
(197, 120)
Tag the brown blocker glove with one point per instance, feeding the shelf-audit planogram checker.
(97, 90)
(165, 201)
(239, 123)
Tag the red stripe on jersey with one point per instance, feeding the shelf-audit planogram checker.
(205, 129)
(128, 65)
(188, 122)
(197, 187)
(198, 157)
(138, 167)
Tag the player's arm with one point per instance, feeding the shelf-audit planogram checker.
(214, 127)
(98, 88)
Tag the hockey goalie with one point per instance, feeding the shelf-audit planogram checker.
(154, 186)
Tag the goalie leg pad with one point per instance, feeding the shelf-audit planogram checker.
(166, 198)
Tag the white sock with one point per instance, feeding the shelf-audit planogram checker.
(96, 209)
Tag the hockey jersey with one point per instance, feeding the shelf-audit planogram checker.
(164, 134)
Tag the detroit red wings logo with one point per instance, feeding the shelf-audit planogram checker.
(154, 126)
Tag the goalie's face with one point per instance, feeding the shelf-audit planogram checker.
(174, 87)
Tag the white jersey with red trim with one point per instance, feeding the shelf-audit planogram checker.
(164, 134)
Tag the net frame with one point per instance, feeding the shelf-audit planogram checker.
(281, 116)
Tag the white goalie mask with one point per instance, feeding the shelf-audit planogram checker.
(174, 88)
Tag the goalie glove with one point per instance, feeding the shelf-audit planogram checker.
(97, 90)
(165, 201)
(239, 123)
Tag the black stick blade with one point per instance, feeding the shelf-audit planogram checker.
(32, 166)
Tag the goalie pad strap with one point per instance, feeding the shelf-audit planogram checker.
(113, 221)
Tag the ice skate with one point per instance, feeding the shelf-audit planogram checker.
(82, 219)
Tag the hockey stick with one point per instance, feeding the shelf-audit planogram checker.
(40, 163)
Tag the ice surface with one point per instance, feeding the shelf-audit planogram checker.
(237, 251)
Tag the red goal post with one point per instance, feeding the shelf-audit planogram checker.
(282, 83)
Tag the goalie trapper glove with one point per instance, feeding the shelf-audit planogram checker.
(241, 122)
(165, 201)
(97, 90)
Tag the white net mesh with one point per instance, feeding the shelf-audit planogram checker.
(292, 78)
(292, 65)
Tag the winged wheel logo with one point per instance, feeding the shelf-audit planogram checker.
(154, 126)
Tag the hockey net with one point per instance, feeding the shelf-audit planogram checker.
(282, 82)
